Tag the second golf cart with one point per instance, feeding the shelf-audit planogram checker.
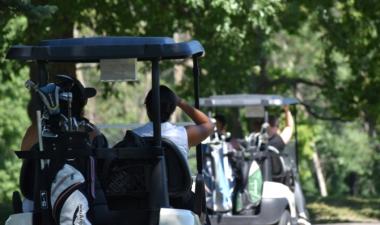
(261, 194)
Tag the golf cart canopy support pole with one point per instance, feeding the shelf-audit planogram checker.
(196, 105)
(158, 199)
(200, 196)
(40, 183)
(42, 73)
(296, 136)
(156, 102)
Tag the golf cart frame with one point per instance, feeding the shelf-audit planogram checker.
(92, 50)
(272, 205)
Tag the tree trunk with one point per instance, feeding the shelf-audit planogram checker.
(320, 177)
(370, 125)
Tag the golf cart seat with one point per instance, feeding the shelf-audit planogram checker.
(280, 170)
(177, 169)
(128, 183)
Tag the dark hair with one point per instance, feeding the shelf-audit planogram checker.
(256, 124)
(221, 119)
(273, 121)
(79, 101)
(168, 103)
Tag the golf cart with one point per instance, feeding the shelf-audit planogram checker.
(261, 195)
(147, 174)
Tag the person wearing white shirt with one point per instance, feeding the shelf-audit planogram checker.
(183, 137)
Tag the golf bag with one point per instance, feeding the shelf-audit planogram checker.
(66, 180)
(249, 183)
(218, 175)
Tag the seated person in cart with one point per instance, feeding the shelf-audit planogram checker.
(279, 140)
(182, 137)
(221, 125)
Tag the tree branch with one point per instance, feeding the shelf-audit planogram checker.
(322, 117)
(294, 81)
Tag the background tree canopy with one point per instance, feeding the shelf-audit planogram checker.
(325, 53)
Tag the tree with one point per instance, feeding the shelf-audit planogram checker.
(14, 95)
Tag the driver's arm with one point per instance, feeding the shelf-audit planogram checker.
(203, 128)
(287, 132)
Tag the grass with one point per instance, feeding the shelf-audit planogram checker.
(344, 209)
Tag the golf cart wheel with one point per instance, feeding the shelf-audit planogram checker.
(285, 218)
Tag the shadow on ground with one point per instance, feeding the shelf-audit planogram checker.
(344, 209)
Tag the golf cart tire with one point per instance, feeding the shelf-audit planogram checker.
(285, 218)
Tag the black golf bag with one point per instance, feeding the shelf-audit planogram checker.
(249, 183)
(63, 181)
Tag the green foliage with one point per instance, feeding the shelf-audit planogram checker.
(13, 94)
(306, 138)
(11, 7)
(12, 90)
(349, 36)
(13, 118)
(9, 177)
(347, 150)
(5, 210)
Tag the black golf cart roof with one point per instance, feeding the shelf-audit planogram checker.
(95, 48)
(239, 100)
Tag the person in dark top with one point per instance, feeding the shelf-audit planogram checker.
(277, 138)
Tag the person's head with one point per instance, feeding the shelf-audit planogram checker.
(168, 103)
(273, 124)
(256, 124)
(79, 92)
(220, 123)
